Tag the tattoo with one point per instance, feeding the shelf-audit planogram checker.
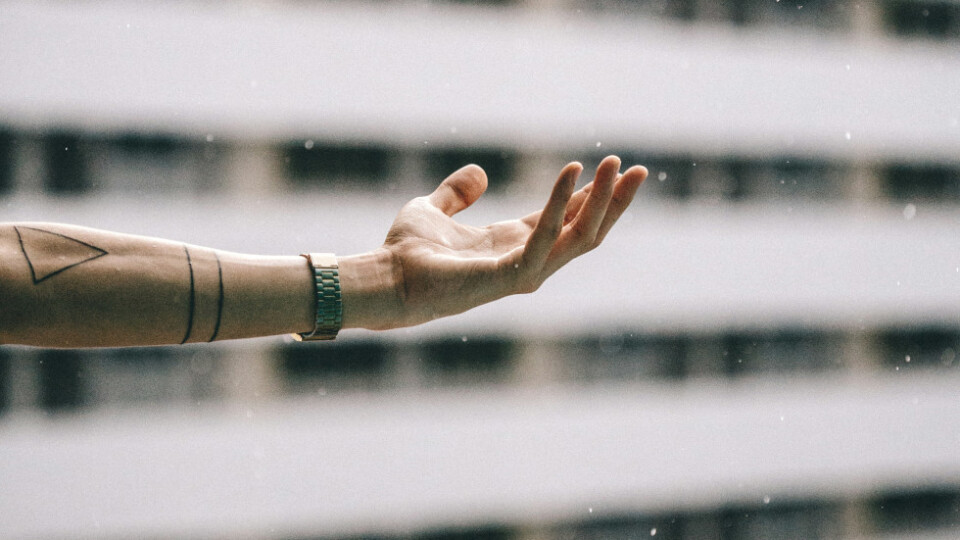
(193, 298)
(49, 253)
(216, 329)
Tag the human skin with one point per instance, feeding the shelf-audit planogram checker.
(68, 286)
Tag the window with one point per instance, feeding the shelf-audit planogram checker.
(670, 176)
(495, 3)
(62, 379)
(67, 167)
(923, 19)
(468, 361)
(336, 165)
(484, 533)
(499, 165)
(929, 183)
(619, 527)
(921, 348)
(334, 367)
(684, 10)
(916, 512)
(7, 169)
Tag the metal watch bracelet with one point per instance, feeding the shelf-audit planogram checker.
(329, 312)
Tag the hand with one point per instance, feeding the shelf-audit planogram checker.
(440, 267)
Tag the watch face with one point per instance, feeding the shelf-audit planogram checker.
(325, 260)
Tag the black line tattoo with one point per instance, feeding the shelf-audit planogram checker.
(193, 298)
(49, 253)
(216, 329)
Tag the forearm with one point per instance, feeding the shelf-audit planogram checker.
(68, 286)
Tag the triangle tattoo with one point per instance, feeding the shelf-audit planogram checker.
(49, 253)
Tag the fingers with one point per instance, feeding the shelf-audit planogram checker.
(623, 194)
(459, 190)
(576, 203)
(586, 225)
(571, 223)
(550, 222)
(594, 211)
(573, 207)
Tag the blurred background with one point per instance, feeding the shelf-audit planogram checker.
(766, 346)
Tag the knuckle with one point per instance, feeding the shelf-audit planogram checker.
(553, 229)
(419, 202)
(588, 241)
(579, 228)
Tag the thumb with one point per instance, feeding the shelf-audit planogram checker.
(459, 190)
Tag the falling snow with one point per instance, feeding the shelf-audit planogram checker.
(909, 211)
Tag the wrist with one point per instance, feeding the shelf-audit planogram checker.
(369, 288)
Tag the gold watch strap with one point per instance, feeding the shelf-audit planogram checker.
(326, 275)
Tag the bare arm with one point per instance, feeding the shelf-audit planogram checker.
(68, 286)
(75, 287)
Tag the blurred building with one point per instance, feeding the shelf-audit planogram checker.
(765, 347)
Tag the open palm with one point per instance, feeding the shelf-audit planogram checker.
(447, 267)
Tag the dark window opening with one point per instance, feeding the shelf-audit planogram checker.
(914, 512)
(930, 183)
(499, 165)
(683, 10)
(496, 3)
(669, 177)
(331, 367)
(474, 360)
(485, 533)
(62, 380)
(923, 19)
(617, 527)
(742, 12)
(7, 169)
(734, 179)
(67, 167)
(335, 165)
(921, 348)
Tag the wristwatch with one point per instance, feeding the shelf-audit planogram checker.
(326, 276)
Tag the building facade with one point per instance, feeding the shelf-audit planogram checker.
(766, 346)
